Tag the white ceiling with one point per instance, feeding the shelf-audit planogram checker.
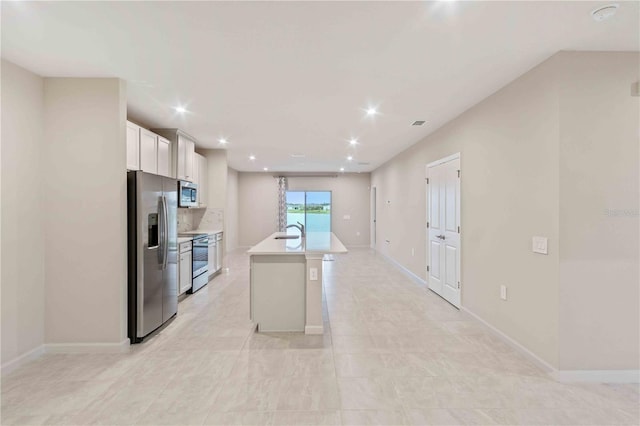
(282, 78)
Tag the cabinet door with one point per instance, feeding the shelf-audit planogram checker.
(195, 178)
(164, 157)
(181, 171)
(189, 155)
(133, 146)
(212, 255)
(203, 181)
(185, 271)
(148, 151)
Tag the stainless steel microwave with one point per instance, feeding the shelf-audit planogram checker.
(187, 194)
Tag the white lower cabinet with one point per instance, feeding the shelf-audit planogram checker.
(184, 267)
(212, 254)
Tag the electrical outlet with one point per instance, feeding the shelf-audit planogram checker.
(313, 274)
(503, 292)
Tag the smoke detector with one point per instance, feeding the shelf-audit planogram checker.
(604, 12)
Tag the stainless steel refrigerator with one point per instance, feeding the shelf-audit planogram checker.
(152, 205)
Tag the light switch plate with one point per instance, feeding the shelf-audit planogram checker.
(347, 217)
(313, 274)
(540, 245)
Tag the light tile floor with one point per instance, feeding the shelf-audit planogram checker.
(393, 353)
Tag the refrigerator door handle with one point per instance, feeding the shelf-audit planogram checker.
(161, 236)
(165, 236)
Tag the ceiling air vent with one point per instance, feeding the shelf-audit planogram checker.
(418, 123)
(604, 12)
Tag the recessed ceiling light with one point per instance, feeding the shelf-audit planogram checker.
(371, 111)
(349, 158)
(353, 141)
(342, 169)
(252, 157)
(180, 109)
(266, 169)
(223, 141)
(604, 12)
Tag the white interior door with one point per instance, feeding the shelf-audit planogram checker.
(443, 228)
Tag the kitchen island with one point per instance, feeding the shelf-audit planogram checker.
(286, 281)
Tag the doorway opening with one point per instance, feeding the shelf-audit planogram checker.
(310, 208)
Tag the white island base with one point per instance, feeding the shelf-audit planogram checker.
(286, 282)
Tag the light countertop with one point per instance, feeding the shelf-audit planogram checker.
(314, 242)
(184, 239)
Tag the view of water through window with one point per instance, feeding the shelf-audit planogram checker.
(311, 208)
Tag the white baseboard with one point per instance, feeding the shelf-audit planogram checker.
(313, 329)
(21, 360)
(593, 376)
(87, 348)
(407, 272)
(544, 365)
(597, 376)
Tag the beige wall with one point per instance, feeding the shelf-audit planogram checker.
(85, 205)
(546, 155)
(22, 275)
(509, 162)
(231, 211)
(217, 163)
(599, 172)
(258, 205)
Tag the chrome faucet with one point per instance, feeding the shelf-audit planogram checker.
(299, 226)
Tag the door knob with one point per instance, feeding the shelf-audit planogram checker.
(442, 237)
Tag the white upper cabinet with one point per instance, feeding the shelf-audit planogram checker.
(133, 146)
(186, 153)
(182, 154)
(148, 151)
(164, 157)
(203, 180)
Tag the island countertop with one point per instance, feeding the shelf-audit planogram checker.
(314, 242)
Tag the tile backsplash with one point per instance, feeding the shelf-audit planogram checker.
(189, 219)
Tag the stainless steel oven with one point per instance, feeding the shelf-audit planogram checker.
(200, 268)
(187, 194)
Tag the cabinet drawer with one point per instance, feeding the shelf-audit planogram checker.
(185, 247)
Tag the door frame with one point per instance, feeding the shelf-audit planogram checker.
(446, 159)
(374, 216)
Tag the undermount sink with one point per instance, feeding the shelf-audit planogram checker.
(287, 237)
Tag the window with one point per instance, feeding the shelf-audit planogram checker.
(311, 208)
